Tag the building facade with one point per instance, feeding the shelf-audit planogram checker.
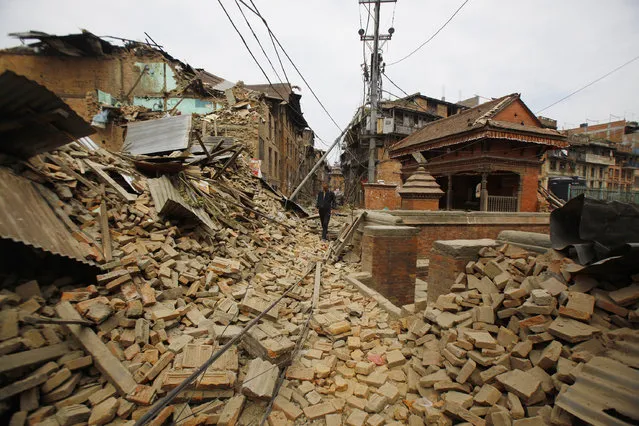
(485, 158)
(601, 160)
(396, 120)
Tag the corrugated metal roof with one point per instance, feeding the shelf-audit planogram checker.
(88, 143)
(169, 203)
(34, 119)
(604, 393)
(623, 345)
(161, 135)
(26, 217)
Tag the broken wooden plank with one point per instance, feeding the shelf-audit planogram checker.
(66, 169)
(35, 379)
(107, 248)
(104, 176)
(34, 356)
(228, 163)
(318, 279)
(103, 359)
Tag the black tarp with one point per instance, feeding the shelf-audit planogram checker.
(602, 235)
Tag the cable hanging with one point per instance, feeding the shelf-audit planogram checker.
(431, 37)
(589, 84)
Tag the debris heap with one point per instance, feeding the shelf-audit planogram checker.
(516, 332)
(174, 284)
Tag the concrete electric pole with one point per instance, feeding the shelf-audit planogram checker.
(375, 80)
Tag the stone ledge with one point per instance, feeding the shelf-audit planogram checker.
(390, 231)
(463, 248)
(383, 302)
(426, 218)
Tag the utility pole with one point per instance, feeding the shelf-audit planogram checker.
(375, 80)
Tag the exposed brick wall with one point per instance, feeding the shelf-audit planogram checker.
(517, 113)
(529, 190)
(392, 263)
(389, 171)
(431, 233)
(420, 204)
(380, 197)
(442, 271)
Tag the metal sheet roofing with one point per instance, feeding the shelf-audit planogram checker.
(156, 136)
(34, 119)
(170, 203)
(27, 218)
(604, 393)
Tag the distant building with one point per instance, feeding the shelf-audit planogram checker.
(603, 158)
(396, 120)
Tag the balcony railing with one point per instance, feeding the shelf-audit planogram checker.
(603, 194)
(498, 203)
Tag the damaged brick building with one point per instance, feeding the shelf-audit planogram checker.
(111, 84)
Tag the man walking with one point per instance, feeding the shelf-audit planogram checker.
(325, 201)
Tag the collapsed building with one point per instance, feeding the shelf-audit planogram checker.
(111, 84)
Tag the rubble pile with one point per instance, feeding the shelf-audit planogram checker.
(169, 292)
(514, 333)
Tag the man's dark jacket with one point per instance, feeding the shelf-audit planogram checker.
(325, 200)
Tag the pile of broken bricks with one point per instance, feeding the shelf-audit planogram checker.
(168, 297)
(514, 332)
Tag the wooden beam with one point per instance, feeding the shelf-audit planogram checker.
(66, 169)
(34, 356)
(104, 176)
(228, 163)
(117, 374)
(36, 379)
(106, 234)
(316, 287)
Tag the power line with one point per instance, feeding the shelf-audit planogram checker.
(249, 49)
(589, 84)
(277, 53)
(257, 12)
(258, 42)
(431, 37)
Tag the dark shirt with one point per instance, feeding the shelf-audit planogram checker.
(325, 200)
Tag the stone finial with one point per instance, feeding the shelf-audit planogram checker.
(421, 185)
(420, 192)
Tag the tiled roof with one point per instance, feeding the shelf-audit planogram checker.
(479, 117)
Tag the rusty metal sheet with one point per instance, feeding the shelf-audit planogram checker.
(604, 393)
(156, 136)
(34, 119)
(170, 203)
(27, 218)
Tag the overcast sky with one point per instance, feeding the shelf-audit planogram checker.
(543, 49)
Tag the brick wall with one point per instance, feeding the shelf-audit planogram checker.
(442, 271)
(450, 225)
(381, 196)
(420, 204)
(529, 190)
(448, 259)
(389, 171)
(429, 234)
(75, 79)
(390, 257)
